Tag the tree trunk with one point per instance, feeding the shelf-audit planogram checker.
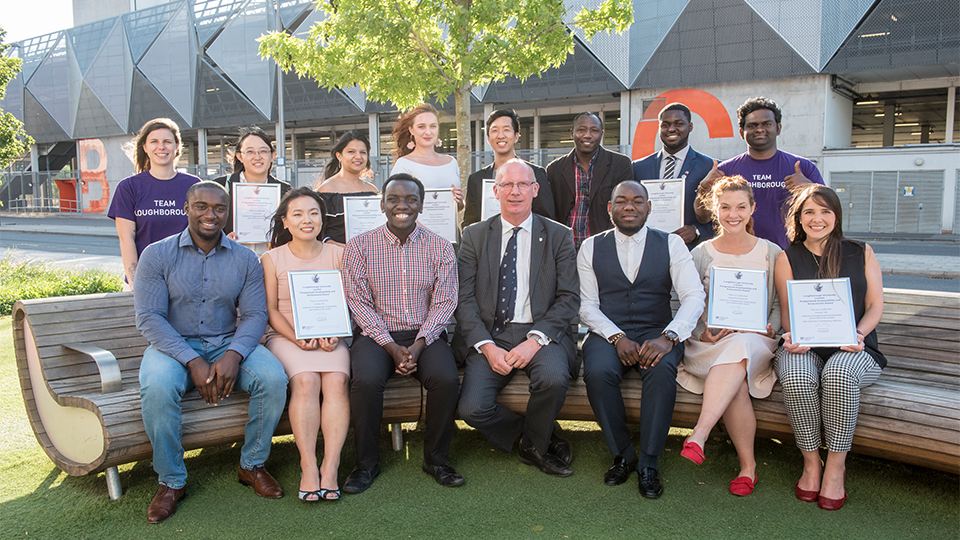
(464, 142)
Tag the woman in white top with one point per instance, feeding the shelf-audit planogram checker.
(417, 135)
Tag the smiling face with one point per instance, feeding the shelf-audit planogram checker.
(425, 129)
(402, 205)
(501, 136)
(674, 130)
(515, 189)
(733, 210)
(817, 220)
(760, 130)
(353, 159)
(587, 134)
(256, 155)
(207, 210)
(629, 207)
(303, 218)
(160, 146)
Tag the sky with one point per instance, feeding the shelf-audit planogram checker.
(24, 19)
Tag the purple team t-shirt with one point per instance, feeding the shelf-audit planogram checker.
(766, 178)
(156, 206)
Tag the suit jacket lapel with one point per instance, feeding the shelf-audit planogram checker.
(493, 262)
(600, 168)
(538, 240)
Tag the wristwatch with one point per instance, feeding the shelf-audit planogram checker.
(543, 342)
(615, 338)
(671, 336)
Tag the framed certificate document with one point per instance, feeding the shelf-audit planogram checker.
(738, 299)
(440, 213)
(361, 214)
(666, 203)
(253, 208)
(319, 305)
(821, 312)
(489, 205)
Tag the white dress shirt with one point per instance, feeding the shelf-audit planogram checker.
(681, 156)
(683, 273)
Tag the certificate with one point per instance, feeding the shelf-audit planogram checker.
(361, 214)
(440, 213)
(666, 203)
(738, 299)
(490, 204)
(319, 305)
(821, 312)
(253, 209)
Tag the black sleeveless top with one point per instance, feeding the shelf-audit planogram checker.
(335, 227)
(805, 265)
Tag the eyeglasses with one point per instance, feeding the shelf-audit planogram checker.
(257, 153)
(508, 186)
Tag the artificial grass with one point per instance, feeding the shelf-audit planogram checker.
(21, 280)
(502, 498)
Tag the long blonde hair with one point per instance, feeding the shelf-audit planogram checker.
(725, 185)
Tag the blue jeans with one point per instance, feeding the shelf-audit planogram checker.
(163, 381)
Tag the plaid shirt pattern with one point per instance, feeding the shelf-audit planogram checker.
(579, 218)
(393, 287)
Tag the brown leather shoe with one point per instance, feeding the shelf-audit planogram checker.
(263, 484)
(164, 503)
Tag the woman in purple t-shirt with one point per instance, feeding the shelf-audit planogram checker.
(149, 206)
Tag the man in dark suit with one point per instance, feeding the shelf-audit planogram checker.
(503, 133)
(519, 294)
(678, 160)
(583, 179)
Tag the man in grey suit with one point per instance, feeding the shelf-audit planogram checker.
(530, 261)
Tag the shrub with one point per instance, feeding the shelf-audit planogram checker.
(21, 280)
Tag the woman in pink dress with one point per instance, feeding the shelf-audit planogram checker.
(314, 366)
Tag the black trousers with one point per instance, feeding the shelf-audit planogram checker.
(371, 366)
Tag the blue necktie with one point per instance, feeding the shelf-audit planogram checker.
(507, 289)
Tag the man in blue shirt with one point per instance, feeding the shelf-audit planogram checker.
(189, 290)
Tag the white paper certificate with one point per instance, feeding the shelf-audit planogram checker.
(319, 305)
(666, 203)
(440, 213)
(490, 204)
(738, 299)
(361, 214)
(253, 208)
(821, 312)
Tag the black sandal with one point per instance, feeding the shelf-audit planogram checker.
(324, 492)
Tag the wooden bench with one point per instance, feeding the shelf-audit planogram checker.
(78, 359)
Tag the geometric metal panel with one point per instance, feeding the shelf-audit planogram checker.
(291, 10)
(144, 25)
(86, 40)
(219, 104)
(653, 19)
(34, 50)
(50, 84)
(170, 64)
(608, 48)
(356, 95)
(110, 76)
(720, 40)
(38, 122)
(902, 33)
(147, 104)
(211, 15)
(580, 74)
(839, 19)
(92, 118)
(303, 99)
(12, 101)
(235, 50)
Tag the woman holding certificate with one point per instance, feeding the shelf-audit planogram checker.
(821, 385)
(343, 177)
(729, 366)
(314, 366)
(417, 135)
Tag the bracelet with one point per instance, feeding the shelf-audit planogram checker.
(616, 337)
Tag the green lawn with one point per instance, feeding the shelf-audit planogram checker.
(502, 498)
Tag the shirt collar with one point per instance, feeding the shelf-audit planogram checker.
(186, 240)
(681, 154)
(506, 226)
(638, 237)
(592, 160)
(392, 238)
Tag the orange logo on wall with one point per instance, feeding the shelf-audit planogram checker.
(708, 107)
(98, 174)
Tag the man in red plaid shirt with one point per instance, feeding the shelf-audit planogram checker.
(401, 283)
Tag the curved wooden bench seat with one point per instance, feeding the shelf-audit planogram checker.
(912, 414)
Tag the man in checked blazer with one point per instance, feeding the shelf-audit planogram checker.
(519, 294)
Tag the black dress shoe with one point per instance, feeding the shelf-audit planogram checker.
(560, 447)
(650, 486)
(360, 479)
(619, 471)
(548, 463)
(445, 475)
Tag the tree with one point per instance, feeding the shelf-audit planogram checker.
(403, 51)
(14, 141)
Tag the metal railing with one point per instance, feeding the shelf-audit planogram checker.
(38, 192)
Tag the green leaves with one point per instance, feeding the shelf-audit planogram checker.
(14, 141)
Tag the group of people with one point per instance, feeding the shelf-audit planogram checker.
(516, 286)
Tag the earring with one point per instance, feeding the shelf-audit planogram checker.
(411, 145)
(439, 143)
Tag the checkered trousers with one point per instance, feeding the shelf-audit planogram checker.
(824, 395)
(393, 287)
